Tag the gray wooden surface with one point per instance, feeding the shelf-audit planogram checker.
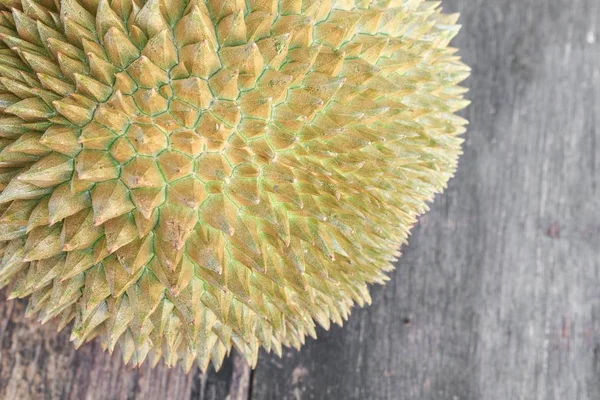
(498, 294)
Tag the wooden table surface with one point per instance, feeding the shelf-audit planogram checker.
(497, 297)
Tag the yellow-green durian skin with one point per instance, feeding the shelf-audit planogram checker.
(180, 177)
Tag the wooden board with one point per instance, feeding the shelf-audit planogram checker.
(497, 296)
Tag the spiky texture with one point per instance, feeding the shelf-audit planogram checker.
(180, 177)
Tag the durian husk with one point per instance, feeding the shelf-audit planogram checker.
(183, 177)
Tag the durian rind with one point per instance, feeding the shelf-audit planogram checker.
(181, 177)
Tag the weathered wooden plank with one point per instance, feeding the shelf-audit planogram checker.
(36, 362)
(498, 295)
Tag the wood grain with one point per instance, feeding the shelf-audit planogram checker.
(498, 294)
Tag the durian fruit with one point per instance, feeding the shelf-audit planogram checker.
(180, 177)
